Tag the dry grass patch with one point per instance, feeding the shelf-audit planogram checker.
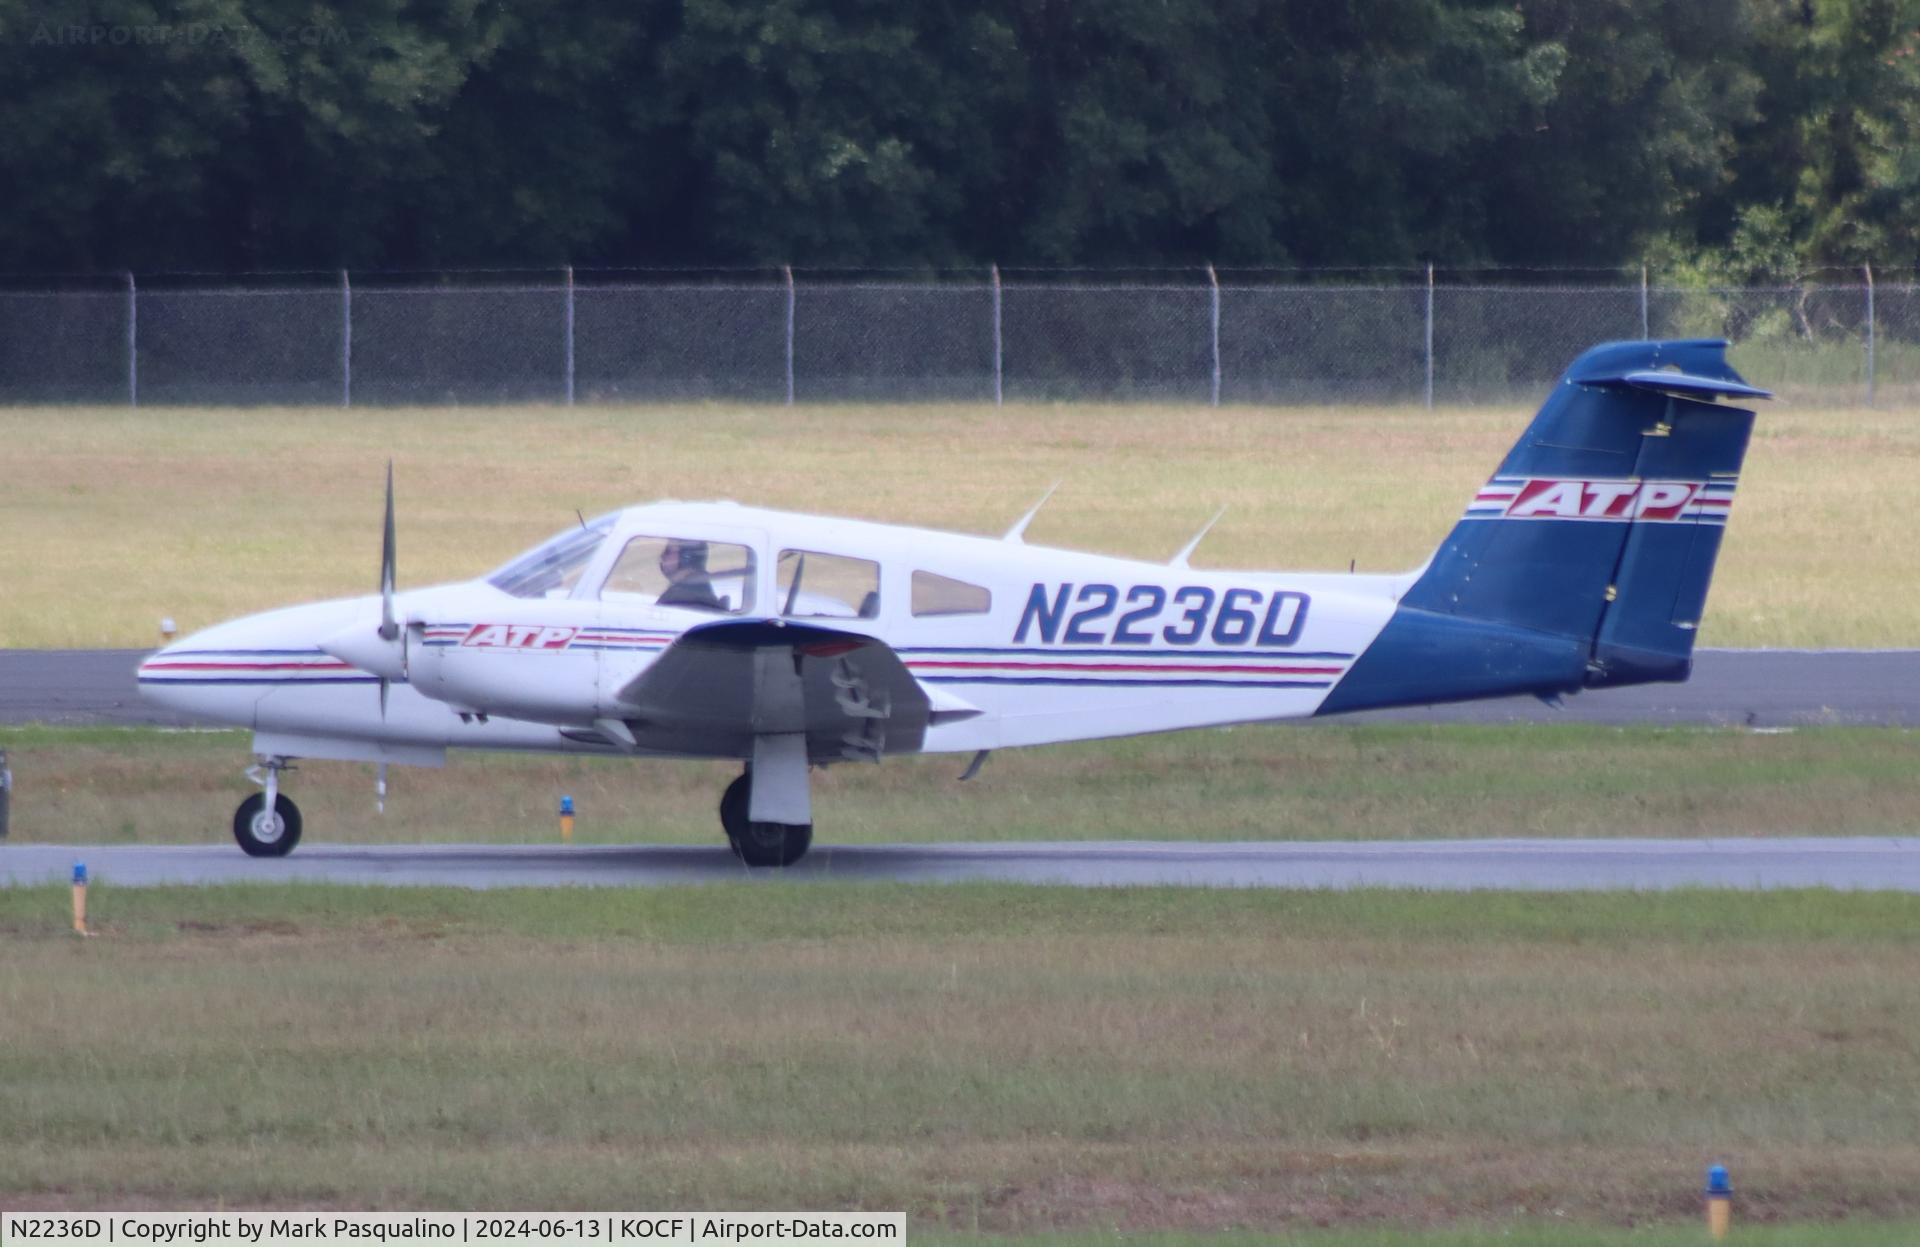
(1255, 1061)
(113, 518)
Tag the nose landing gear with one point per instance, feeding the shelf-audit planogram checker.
(267, 824)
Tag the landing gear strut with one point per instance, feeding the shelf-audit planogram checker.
(267, 824)
(760, 844)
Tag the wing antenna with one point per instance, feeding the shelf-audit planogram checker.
(1018, 533)
(1180, 560)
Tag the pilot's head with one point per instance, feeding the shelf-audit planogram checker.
(683, 558)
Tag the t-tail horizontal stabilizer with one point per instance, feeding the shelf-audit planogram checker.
(1585, 561)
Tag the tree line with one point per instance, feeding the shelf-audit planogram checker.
(1751, 138)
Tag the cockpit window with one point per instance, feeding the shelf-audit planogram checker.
(692, 574)
(551, 569)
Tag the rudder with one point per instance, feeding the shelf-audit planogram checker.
(1585, 560)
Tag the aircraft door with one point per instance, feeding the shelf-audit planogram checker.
(662, 583)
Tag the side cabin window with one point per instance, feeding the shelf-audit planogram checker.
(711, 576)
(934, 594)
(827, 586)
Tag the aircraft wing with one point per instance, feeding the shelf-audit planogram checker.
(723, 684)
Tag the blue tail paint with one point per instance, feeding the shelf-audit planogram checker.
(1584, 562)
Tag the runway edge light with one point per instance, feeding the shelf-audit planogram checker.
(566, 819)
(80, 899)
(1719, 1201)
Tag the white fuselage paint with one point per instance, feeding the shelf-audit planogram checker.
(1072, 646)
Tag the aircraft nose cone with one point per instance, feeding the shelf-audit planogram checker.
(193, 677)
(220, 673)
(166, 665)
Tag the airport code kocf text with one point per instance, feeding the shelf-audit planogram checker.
(260, 1229)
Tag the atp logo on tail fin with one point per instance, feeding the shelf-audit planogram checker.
(1607, 500)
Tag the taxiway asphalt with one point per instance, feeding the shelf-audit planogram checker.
(1851, 863)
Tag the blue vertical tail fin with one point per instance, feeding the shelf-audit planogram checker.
(1585, 560)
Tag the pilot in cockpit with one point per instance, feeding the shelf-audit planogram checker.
(684, 564)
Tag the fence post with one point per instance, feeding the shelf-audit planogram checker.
(998, 365)
(346, 340)
(133, 343)
(1213, 283)
(1429, 385)
(569, 335)
(1645, 324)
(1868, 270)
(788, 270)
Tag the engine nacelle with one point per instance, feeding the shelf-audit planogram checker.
(534, 671)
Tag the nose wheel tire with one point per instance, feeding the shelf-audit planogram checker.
(761, 844)
(264, 833)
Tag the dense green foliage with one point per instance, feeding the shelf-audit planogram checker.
(236, 134)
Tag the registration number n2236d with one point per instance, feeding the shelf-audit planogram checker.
(1097, 614)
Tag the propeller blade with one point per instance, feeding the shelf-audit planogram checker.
(353, 645)
(389, 628)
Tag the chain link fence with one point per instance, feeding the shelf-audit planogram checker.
(606, 338)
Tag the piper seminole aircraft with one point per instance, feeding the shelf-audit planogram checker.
(786, 642)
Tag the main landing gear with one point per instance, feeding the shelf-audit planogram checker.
(267, 824)
(760, 844)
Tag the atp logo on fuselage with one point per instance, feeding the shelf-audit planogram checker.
(519, 637)
(1533, 498)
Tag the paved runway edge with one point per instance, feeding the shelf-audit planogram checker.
(1752, 688)
(1849, 863)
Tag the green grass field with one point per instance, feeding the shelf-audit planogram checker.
(1324, 781)
(989, 1058)
(112, 518)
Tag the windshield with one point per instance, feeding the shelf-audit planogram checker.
(551, 569)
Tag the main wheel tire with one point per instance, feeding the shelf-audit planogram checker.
(760, 844)
(267, 835)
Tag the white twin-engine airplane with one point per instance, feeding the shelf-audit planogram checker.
(784, 641)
